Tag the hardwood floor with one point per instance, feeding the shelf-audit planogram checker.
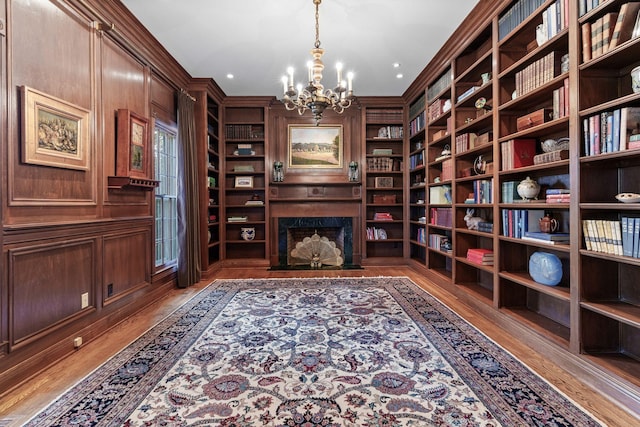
(33, 396)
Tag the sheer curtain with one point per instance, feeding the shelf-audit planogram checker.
(189, 268)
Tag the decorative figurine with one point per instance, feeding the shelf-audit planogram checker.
(353, 171)
(278, 172)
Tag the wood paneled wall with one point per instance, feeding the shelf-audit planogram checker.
(65, 233)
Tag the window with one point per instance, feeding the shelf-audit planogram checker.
(165, 152)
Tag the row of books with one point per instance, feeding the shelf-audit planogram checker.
(417, 106)
(417, 160)
(607, 236)
(382, 164)
(439, 85)
(555, 18)
(244, 132)
(517, 153)
(610, 30)
(465, 141)
(447, 170)
(438, 108)
(441, 217)
(418, 123)
(480, 256)
(538, 73)
(560, 100)
(421, 236)
(482, 192)
(612, 131)
(439, 241)
(388, 132)
(585, 6)
(374, 233)
(517, 222)
(517, 13)
(384, 115)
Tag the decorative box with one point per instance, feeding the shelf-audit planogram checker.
(380, 199)
(533, 119)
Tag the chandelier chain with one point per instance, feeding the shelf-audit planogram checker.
(317, 43)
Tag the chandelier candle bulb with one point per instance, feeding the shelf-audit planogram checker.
(350, 81)
(290, 71)
(339, 68)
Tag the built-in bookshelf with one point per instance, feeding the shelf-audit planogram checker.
(245, 220)
(609, 164)
(208, 128)
(526, 101)
(384, 183)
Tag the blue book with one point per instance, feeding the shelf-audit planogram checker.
(547, 236)
(607, 125)
(616, 130)
(627, 239)
(636, 237)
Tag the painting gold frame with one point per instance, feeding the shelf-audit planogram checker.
(133, 145)
(314, 147)
(54, 132)
(244, 182)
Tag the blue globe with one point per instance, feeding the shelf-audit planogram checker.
(545, 268)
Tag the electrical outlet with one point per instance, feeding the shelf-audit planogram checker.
(77, 342)
(85, 300)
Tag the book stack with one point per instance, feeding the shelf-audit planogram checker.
(548, 238)
(382, 151)
(382, 216)
(237, 219)
(254, 203)
(607, 236)
(480, 256)
(612, 131)
(245, 150)
(517, 153)
(517, 222)
(558, 195)
(486, 227)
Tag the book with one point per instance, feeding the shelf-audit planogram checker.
(608, 25)
(517, 153)
(237, 219)
(547, 242)
(553, 191)
(624, 24)
(629, 124)
(586, 42)
(552, 237)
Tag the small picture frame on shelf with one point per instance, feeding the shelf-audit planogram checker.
(244, 182)
(133, 145)
(383, 182)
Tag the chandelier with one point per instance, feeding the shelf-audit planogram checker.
(314, 97)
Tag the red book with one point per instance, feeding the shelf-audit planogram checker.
(523, 151)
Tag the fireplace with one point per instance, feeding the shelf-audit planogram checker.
(293, 230)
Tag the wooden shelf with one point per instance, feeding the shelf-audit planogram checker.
(131, 183)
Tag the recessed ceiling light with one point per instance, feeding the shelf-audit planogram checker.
(396, 65)
(229, 76)
(399, 76)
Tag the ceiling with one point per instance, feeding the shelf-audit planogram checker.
(256, 40)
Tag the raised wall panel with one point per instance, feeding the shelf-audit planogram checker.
(46, 283)
(58, 60)
(127, 257)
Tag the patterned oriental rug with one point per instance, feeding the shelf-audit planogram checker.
(313, 352)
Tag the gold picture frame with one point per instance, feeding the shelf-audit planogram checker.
(133, 147)
(54, 132)
(244, 182)
(314, 147)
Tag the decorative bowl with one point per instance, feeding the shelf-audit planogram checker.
(528, 189)
(628, 197)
